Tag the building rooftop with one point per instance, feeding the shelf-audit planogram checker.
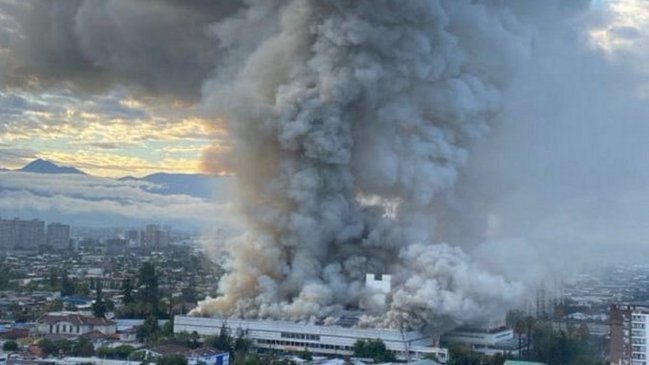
(518, 362)
(76, 319)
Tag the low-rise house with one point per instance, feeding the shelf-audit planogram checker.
(128, 335)
(206, 355)
(15, 331)
(72, 324)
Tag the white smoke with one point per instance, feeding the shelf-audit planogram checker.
(343, 102)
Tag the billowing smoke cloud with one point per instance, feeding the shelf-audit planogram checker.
(349, 119)
(162, 46)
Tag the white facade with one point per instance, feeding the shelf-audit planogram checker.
(211, 359)
(379, 283)
(318, 339)
(486, 341)
(639, 336)
(71, 324)
(478, 337)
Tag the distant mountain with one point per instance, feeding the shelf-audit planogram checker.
(196, 185)
(214, 188)
(46, 167)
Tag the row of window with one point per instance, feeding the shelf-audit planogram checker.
(304, 344)
(639, 341)
(64, 329)
(636, 317)
(300, 336)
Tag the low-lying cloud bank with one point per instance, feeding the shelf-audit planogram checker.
(94, 201)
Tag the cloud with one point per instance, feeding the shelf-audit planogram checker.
(88, 76)
(161, 46)
(86, 200)
(112, 163)
(112, 117)
(12, 157)
(124, 132)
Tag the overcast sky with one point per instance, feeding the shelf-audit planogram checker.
(111, 87)
(103, 86)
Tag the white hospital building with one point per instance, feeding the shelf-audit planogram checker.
(318, 339)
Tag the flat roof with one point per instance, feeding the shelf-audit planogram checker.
(518, 362)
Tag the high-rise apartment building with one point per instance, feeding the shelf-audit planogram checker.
(629, 333)
(7, 234)
(154, 237)
(21, 234)
(58, 235)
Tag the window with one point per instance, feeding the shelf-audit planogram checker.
(300, 336)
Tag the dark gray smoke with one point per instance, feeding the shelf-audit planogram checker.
(349, 119)
(162, 46)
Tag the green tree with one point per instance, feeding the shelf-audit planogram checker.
(137, 356)
(174, 359)
(64, 346)
(10, 346)
(519, 329)
(67, 285)
(83, 347)
(194, 340)
(54, 279)
(250, 359)
(530, 322)
(127, 292)
(168, 328)
(305, 355)
(54, 306)
(223, 341)
(110, 305)
(121, 352)
(149, 330)
(461, 356)
(241, 345)
(47, 346)
(559, 347)
(82, 288)
(99, 306)
(189, 293)
(373, 349)
(150, 293)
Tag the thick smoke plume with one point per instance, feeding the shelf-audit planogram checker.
(349, 119)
